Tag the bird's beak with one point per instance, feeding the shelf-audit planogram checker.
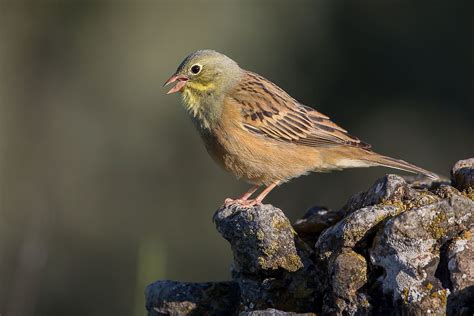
(181, 82)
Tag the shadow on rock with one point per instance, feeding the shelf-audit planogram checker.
(400, 248)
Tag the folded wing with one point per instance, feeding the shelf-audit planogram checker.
(269, 111)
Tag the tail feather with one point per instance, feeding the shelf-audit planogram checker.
(400, 164)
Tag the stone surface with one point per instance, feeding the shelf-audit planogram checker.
(407, 249)
(352, 229)
(271, 264)
(261, 238)
(347, 275)
(389, 188)
(176, 298)
(400, 248)
(462, 174)
(461, 260)
(316, 219)
(274, 312)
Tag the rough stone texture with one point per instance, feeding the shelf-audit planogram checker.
(407, 248)
(461, 270)
(316, 219)
(176, 298)
(261, 238)
(400, 248)
(462, 174)
(352, 229)
(274, 312)
(389, 188)
(461, 260)
(347, 275)
(271, 264)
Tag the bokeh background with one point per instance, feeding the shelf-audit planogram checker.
(105, 186)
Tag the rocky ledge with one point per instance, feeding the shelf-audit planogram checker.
(400, 248)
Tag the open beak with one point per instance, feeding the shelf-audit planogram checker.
(180, 83)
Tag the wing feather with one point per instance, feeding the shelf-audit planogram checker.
(268, 111)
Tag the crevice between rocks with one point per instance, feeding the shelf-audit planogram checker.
(442, 271)
(400, 248)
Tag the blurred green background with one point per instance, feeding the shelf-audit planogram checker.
(106, 187)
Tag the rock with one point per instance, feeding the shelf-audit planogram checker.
(271, 264)
(400, 248)
(461, 303)
(461, 260)
(314, 222)
(462, 174)
(407, 248)
(176, 298)
(261, 238)
(394, 232)
(352, 230)
(274, 312)
(389, 188)
(461, 271)
(345, 269)
(347, 274)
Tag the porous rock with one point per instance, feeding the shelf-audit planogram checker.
(462, 174)
(271, 264)
(408, 250)
(352, 229)
(261, 238)
(461, 260)
(180, 298)
(395, 232)
(347, 275)
(315, 220)
(460, 257)
(400, 248)
(274, 312)
(388, 188)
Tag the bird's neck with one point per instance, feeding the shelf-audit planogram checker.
(204, 108)
(205, 103)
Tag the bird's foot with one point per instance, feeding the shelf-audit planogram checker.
(241, 202)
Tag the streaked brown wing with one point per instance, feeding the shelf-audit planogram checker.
(269, 111)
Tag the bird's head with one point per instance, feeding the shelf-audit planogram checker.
(204, 75)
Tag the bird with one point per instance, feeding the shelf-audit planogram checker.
(259, 133)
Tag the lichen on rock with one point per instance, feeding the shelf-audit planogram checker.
(261, 237)
(181, 298)
(462, 174)
(400, 248)
(271, 264)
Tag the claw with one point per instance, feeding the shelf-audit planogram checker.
(241, 202)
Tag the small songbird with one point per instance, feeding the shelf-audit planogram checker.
(258, 132)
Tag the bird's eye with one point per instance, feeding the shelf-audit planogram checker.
(195, 69)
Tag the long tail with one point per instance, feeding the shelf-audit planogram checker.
(398, 164)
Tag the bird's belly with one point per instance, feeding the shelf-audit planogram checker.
(260, 162)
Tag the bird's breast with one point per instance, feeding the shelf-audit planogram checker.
(205, 110)
(254, 159)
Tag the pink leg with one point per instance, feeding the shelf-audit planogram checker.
(249, 193)
(265, 192)
(257, 200)
(244, 197)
